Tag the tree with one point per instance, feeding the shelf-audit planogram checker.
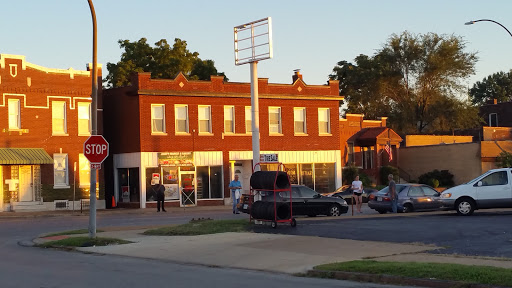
(504, 159)
(163, 61)
(496, 86)
(415, 80)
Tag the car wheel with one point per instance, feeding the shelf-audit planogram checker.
(465, 206)
(407, 208)
(334, 210)
(382, 211)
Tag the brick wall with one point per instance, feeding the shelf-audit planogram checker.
(36, 87)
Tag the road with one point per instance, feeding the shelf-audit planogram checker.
(35, 267)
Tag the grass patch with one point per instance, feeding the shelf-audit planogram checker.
(440, 271)
(83, 242)
(201, 227)
(72, 232)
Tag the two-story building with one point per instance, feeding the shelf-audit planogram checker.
(193, 136)
(45, 118)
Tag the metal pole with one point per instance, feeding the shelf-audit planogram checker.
(94, 108)
(74, 185)
(255, 114)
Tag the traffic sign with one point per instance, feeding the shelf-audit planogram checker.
(96, 149)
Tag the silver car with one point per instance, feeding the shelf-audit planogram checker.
(411, 197)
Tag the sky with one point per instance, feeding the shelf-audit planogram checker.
(308, 35)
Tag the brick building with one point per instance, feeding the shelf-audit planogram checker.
(193, 136)
(363, 144)
(45, 118)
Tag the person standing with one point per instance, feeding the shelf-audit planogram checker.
(392, 193)
(357, 190)
(159, 189)
(235, 187)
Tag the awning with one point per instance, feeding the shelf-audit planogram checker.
(375, 135)
(24, 156)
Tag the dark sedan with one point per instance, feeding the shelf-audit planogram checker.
(346, 193)
(411, 197)
(305, 201)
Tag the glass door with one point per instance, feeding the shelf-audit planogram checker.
(187, 188)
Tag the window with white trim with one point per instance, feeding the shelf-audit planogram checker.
(229, 119)
(157, 118)
(274, 120)
(299, 119)
(181, 117)
(205, 116)
(84, 118)
(84, 171)
(14, 114)
(248, 119)
(59, 117)
(324, 123)
(60, 170)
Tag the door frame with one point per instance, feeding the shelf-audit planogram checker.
(180, 173)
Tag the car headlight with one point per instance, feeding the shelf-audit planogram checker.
(446, 195)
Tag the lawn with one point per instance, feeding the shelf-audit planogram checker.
(201, 227)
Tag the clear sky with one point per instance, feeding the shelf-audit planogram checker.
(308, 35)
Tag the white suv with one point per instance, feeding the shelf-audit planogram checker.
(493, 189)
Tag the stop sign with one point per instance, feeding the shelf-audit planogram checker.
(96, 149)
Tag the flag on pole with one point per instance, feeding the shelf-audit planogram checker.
(390, 152)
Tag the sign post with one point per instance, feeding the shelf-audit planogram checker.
(96, 151)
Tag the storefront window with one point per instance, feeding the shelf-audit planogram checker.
(150, 195)
(324, 177)
(209, 182)
(306, 175)
(291, 170)
(170, 182)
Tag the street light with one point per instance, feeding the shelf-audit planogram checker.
(94, 108)
(474, 21)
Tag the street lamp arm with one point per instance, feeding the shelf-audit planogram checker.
(474, 21)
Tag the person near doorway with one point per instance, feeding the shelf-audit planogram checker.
(159, 190)
(392, 193)
(235, 187)
(357, 190)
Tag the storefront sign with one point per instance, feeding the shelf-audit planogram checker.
(175, 159)
(126, 193)
(269, 158)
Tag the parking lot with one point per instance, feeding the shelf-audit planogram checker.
(485, 233)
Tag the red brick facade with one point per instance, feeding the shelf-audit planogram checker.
(37, 88)
(128, 126)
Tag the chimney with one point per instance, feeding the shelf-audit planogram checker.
(296, 75)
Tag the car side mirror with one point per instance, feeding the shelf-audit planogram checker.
(317, 196)
(479, 184)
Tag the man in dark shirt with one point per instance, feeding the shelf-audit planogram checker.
(392, 193)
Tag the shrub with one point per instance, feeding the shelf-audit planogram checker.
(433, 182)
(367, 182)
(349, 174)
(385, 171)
(444, 177)
(504, 160)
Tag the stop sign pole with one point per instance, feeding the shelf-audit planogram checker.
(94, 114)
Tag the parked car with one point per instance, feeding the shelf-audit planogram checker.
(492, 189)
(345, 192)
(411, 197)
(305, 201)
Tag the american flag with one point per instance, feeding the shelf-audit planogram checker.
(390, 153)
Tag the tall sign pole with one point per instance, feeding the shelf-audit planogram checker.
(253, 42)
(94, 114)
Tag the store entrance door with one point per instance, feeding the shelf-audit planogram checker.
(187, 188)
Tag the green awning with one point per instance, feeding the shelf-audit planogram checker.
(24, 156)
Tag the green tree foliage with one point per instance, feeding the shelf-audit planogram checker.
(496, 86)
(504, 159)
(385, 171)
(349, 173)
(443, 178)
(415, 80)
(163, 61)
